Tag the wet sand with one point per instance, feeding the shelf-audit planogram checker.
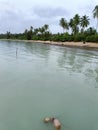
(87, 45)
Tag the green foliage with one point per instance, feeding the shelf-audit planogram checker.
(29, 35)
(95, 12)
(93, 38)
(62, 37)
(63, 23)
(77, 25)
(84, 22)
(76, 20)
(90, 31)
(79, 38)
(8, 35)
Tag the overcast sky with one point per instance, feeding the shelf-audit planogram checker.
(17, 15)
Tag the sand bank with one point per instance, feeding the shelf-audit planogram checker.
(68, 44)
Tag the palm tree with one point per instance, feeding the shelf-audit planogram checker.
(64, 24)
(8, 35)
(84, 22)
(46, 27)
(91, 31)
(95, 14)
(76, 20)
(31, 30)
(36, 31)
(71, 25)
(42, 30)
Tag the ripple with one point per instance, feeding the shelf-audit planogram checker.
(43, 80)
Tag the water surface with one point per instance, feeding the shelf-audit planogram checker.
(38, 80)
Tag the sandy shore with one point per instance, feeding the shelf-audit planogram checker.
(68, 44)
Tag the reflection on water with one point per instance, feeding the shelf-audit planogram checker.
(38, 80)
(80, 61)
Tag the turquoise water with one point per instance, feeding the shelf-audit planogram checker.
(38, 81)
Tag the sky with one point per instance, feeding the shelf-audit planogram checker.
(18, 15)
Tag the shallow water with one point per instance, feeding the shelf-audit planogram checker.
(38, 81)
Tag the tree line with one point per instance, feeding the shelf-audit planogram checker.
(76, 29)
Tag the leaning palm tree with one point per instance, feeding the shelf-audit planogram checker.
(84, 22)
(95, 14)
(64, 24)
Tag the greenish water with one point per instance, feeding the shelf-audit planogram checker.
(43, 80)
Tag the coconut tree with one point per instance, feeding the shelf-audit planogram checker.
(95, 14)
(71, 25)
(76, 21)
(8, 35)
(25, 32)
(36, 31)
(84, 22)
(31, 28)
(64, 24)
(91, 31)
(41, 30)
(46, 27)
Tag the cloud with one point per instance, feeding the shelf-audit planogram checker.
(16, 20)
(16, 16)
(12, 19)
(49, 12)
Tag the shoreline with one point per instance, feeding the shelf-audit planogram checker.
(87, 45)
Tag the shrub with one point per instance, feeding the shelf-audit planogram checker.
(79, 38)
(93, 38)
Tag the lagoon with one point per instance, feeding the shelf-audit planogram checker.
(38, 80)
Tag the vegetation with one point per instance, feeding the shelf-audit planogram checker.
(64, 24)
(95, 14)
(77, 27)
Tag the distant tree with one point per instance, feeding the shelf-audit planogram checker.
(46, 27)
(8, 35)
(46, 33)
(95, 14)
(36, 31)
(90, 31)
(64, 24)
(42, 30)
(28, 34)
(31, 30)
(84, 22)
(25, 32)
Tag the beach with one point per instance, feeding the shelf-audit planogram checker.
(86, 45)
